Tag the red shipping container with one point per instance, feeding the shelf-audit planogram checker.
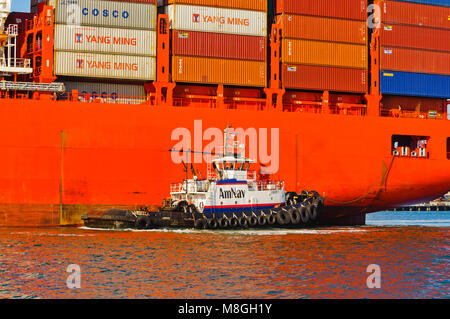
(345, 9)
(398, 12)
(219, 45)
(322, 78)
(415, 37)
(416, 61)
(323, 29)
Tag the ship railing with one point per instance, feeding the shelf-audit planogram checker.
(200, 186)
(270, 185)
(177, 187)
(15, 62)
(197, 100)
(397, 113)
(101, 98)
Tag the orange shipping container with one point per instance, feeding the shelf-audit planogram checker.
(256, 5)
(323, 29)
(324, 53)
(416, 61)
(218, 71)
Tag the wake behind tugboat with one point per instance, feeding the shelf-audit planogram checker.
(230, 197)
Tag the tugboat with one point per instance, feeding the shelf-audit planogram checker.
(230, 197)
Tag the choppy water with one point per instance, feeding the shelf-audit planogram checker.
(412, 249)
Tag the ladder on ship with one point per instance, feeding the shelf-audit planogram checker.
(32, 87)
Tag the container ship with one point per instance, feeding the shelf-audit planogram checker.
(350, 98)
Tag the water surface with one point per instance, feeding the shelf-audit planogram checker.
(413, 251)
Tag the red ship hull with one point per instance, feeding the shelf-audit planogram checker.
(59, 160)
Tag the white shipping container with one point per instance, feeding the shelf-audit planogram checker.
(106, 13)
(94, 65)
(217, 20)
(108, 92)
(105, 40)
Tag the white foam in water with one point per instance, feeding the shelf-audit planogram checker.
(246, 232)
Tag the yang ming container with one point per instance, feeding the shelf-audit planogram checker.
(324, 53)
(415, 84)
(397, 12)
(105, 66)
(219, 45)
(105, 40)
(219, 71)
(106, 13)
(344, 9)
(320, 78)
(256, 5)
(217, 20)
(323, 29)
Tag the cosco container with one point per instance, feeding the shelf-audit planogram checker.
(110, 92)
(323, 29)
(320, 78)
(105, 66)
(219, 45)
(123, 15)
(344, 9)
(219, 71)
(324, 53)
(423, 15)
(217, 20)
(105, 40)
(415, 37)
(416, 61)
(257, 5)
(415, 84)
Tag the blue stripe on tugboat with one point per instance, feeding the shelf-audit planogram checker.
(231, 182)
(237, 208)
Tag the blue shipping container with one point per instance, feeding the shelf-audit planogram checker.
(441, 3)
(415, 84)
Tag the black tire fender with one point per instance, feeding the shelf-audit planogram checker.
(200, 223)
(141, 222)
(304, 214)
(243, 221)
(295, 216)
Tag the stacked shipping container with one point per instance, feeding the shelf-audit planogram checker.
(106, 39)
(415, 48)
(324, 45)
(218, 41)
